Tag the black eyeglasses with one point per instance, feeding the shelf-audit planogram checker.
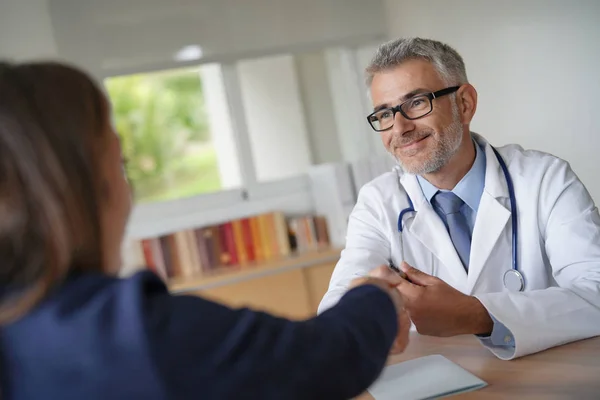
(414, 108)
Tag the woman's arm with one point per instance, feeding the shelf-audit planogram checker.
(208, 350)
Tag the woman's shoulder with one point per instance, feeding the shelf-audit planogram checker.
(95, 298)
(92, 326)
(85, 287)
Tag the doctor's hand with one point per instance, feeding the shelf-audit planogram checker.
(437, 309)
(388, 285)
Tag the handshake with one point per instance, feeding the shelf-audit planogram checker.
(387, 280)
(433, 306)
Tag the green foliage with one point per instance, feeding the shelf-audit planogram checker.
(163, 124)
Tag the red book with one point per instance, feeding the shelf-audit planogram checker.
(229, 241)
(147, 249)
(226, 241)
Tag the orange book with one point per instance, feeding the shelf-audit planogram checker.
(247, 239)
(238, 238)
(265, 239)
(256, 239)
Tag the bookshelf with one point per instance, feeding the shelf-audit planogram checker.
(270, 262)
(228, 275)
(290, 287)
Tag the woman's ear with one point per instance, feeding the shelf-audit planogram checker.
(467, 102)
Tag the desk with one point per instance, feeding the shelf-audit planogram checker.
(571, 371)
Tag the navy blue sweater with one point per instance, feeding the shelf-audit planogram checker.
(98, 337)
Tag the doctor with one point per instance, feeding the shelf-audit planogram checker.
(522, 275)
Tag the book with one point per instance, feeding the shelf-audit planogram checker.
(281, 234)
(166, 251)
(247, 239)
(239, 244)
(321, 231)
(256, 239)
(185, 259)
(263, 232)
(200, 236)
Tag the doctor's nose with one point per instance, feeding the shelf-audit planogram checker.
(401, 124)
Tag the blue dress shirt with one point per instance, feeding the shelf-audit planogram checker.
(470, 189)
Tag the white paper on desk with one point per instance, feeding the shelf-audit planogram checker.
(424, 378)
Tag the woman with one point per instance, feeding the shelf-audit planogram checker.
(72, 330)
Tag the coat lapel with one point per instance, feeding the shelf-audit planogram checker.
(428, 228)
(492, 217)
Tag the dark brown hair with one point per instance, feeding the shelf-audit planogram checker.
(52, 124)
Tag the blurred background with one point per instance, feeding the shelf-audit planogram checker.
(243, 121)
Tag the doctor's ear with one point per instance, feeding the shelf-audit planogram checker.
(466, 100)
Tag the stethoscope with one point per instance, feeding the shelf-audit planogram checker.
(513, 279)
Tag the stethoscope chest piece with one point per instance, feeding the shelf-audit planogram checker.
(513, 281)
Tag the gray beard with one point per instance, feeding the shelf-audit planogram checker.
(449, 143)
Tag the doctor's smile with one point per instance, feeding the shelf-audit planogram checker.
(411, 147)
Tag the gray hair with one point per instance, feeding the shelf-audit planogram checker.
(448, 63)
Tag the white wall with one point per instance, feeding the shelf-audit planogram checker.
(348, 93)
(534, 63)
(219, 118)
(25, 30)
(274, 117)
(318, 107)
(364, 54)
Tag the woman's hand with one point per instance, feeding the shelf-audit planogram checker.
(387, 280)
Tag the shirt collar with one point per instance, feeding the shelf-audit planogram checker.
(470, 187)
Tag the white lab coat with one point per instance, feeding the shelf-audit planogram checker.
(558, 244)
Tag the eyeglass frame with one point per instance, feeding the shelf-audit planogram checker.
(398, 108)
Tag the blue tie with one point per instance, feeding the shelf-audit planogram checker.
(459, 231)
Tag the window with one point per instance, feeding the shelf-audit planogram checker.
(176, 132)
